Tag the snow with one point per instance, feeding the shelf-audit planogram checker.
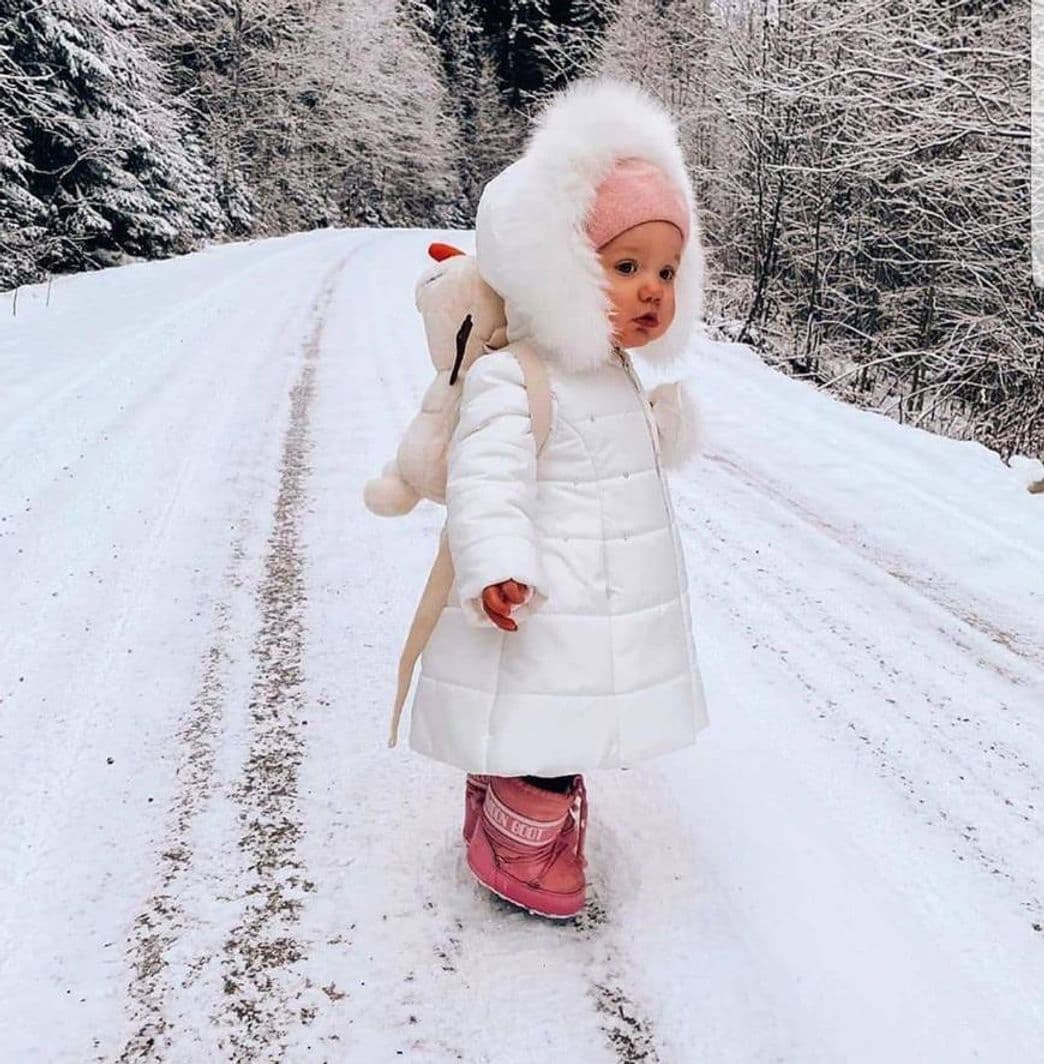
(208, 852)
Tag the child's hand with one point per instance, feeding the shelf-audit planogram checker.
(498, 600)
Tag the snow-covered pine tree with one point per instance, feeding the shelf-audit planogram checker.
(101, 153)
(565, 38)
(497, 135)
(21, 214)
(539, 46)
(314, 113)
(498, 61)
(384, 135)
(517, 32)
(200, 51)
(489, 134)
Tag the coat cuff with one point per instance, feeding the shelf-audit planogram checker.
(504, 558)
(678, 423)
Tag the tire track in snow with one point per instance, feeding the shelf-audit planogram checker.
(964, 613)
(627, 1032)
(157, 930)
(256, 1009)
(157, 926)
(995, 769)
(588, 942)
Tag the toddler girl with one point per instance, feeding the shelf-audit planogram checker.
(566, 643)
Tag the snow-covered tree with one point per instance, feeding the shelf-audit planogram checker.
(499, 61)
(862, 171)
(893, 147)
(142, 126)
(539, 46)
(488, 133)
(312, 113)
(381, 114)
(96, 146)
(21, 213)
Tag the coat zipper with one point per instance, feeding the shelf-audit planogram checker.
(664, 491)
(654, 432)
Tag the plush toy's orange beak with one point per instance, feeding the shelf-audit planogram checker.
(440, 252)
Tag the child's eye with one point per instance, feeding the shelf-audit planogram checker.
(627, 267)
(667, 273)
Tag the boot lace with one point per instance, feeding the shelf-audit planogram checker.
(551, 851)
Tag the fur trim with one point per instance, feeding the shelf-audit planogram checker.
(530, 241)
(677, 418)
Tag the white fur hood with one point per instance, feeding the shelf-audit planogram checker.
(530, 239)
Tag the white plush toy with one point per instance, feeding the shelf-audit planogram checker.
(463, 317)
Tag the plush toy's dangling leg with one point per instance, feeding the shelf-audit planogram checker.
(389, 495)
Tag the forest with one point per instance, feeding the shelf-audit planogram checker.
(861, 167)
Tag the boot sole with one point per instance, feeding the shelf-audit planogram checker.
(521, 905)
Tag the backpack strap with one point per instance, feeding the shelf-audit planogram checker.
(538, 391)
(440, 579)
(434, 597)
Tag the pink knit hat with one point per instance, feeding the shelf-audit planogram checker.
(635, 191)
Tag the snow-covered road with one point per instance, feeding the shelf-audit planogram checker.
(209, 854)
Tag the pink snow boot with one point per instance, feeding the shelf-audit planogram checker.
(526, 849)
(474, 795)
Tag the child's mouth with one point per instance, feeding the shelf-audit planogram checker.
(648, 321)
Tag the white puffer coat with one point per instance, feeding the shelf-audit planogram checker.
(602, 670)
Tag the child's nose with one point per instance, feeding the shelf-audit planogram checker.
(652, 290)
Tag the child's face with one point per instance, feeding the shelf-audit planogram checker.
(640, 265)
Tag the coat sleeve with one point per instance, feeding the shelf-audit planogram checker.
(491, 489)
